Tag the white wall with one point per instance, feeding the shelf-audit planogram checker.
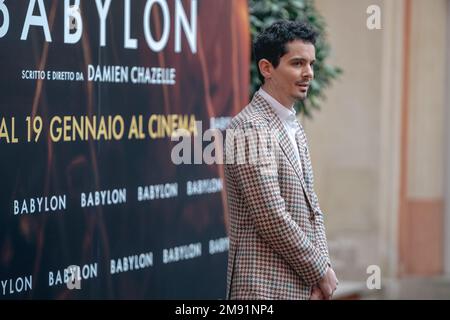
(345, 139)
(447, 159)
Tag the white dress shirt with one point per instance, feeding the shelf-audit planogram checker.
(287, 117)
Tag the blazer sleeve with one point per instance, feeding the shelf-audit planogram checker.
(258, 183)
(321, 235)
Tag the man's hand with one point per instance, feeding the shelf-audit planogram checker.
(316, 293)
(328, 284)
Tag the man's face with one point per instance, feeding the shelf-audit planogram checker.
(292, 77)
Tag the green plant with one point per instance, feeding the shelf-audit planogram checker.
(265, 12)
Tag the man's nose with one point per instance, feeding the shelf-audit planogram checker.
(308, 72)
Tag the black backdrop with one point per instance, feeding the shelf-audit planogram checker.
(211, 82)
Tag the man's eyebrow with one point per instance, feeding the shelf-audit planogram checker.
(295, 59)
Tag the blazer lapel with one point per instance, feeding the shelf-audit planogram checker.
(282, 138)
(303, 156)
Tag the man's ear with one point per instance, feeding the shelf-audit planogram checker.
(265, 67)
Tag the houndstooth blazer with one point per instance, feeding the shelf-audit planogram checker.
(278, 248)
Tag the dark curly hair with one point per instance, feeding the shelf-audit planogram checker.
(271, 43)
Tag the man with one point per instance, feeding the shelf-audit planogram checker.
(278, 247)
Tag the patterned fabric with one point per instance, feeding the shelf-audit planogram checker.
(287, 116)
(278, 248)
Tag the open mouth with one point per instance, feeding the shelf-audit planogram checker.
(303, 86)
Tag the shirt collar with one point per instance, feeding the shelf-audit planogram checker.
(285, 114)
